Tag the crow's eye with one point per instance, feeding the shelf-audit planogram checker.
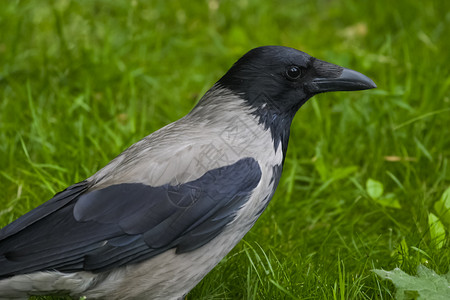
(293, 72)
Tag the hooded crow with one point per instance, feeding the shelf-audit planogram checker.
(155, 220)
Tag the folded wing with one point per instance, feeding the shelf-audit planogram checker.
(125, 223)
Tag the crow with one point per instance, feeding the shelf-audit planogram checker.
(156, 219)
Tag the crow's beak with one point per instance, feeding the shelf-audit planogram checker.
(342, 80)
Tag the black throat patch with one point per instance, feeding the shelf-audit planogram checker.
(278, 123)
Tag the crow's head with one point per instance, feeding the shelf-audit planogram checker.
(282, 79)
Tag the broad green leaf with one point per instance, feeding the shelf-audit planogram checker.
(437, 230)
(442, 207)
(425, 286)
(446, 196)
(374, 188)
(389, 200)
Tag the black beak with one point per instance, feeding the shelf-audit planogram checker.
(342, 80)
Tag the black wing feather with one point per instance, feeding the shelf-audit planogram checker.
(40, 212)
(125, 223)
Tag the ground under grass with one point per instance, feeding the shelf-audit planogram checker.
(82, 80)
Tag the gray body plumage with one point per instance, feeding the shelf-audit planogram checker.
(210, 140)
(155, 220)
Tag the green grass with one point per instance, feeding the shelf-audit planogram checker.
(82, 80)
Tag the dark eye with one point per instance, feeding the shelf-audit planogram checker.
(293, 72)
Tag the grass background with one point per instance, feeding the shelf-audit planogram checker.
(82, 80)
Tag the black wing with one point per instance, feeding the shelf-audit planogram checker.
(125, 223)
